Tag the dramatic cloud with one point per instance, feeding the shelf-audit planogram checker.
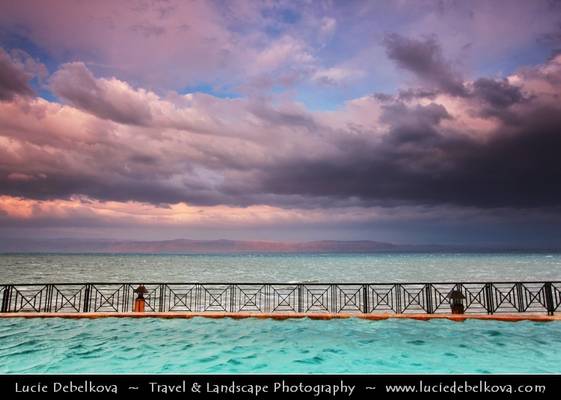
(14, 80)
(415, 152)
(109, 99)
(193, 113)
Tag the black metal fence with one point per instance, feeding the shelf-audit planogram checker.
(429, 298)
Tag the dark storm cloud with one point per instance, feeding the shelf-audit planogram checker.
(417, 164)
(496, 98)
(64, 186)
(497, 93)
(424, 58)
(416, 123)
(14, 81)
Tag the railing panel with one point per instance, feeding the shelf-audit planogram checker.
(475, 297)
(154, 297)
(414, 298)
(440, 293)
(26, 298)
(285, 298)
(349, 298)
(250, 298)
(531, 297)
(213, 297)
(383, 298)
(318, 298)
(181, 298)
(504, 297)
(67, 298)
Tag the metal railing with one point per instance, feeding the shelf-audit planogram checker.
(429, 298)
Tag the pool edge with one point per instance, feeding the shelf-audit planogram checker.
(282, 316)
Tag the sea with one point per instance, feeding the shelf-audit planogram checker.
(284, 268)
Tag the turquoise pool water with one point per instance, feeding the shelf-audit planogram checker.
(115, 345)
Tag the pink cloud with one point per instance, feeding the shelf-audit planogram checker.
(142, 40)
(178, 214)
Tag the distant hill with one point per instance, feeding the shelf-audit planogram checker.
(235, 246)
(193, 246)
(187, 246)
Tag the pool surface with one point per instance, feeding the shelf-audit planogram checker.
(112, 345)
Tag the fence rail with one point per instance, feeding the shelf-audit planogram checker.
(429, 298)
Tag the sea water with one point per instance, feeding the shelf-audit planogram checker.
(379, 267)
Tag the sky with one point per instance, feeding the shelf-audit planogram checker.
(402, 121)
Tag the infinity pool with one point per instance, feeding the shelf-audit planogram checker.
(113, 345)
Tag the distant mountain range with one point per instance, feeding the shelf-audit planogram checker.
(186, 246)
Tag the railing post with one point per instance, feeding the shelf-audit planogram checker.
(300, 292)
(232, 297)
(334, 293)
(162, 300)
(49, 298)
(550, 305)
(87, 296)
(489, 297)
(520, 304)
(428, 299)
(267, 296)
(397, 295)
(365, 306)
(126, 297)
(197, 296)
(6, 297)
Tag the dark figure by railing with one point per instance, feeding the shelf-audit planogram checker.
(429, 298)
